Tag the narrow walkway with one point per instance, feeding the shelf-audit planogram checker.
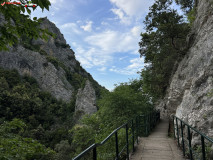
(158, 146)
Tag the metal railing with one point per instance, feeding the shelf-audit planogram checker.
(141, 125)
(199, 151)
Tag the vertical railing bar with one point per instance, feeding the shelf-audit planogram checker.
(177, 132)
(137, 125)
(133, 137)
(183, 145)
(203, 148)
(94, 153)
(174, 126)
(146, 124)
(116, 145)
(127, 142)
(190, 145)
(149, 124)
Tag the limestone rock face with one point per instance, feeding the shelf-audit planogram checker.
(188, 94)
(86, 99)
(51, 77)
(32, 63)
(58, 47)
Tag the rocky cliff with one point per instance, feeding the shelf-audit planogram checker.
(85, 99)
(52, 63)
(189, 94)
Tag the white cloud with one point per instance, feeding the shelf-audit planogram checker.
(88, 26)
(101, 47)
(72, 27)
(53, 1)
(136, 30)
(122, 58)
(102, 69)
(120, 14)
(105, 40)
(90, 57)
(114, 41)
(52, 13)
(56, 1)
(104, 23)
(126, 9)
(136, 65)
(133, 7)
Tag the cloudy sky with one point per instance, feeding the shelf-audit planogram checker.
(104, 35)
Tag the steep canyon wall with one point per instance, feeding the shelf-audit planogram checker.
(189, 94)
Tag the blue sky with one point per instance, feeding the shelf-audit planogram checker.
(104, 35)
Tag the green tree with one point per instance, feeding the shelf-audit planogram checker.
(163, 44)
(186, 5)
(15, 23)
(115, 108)
(48, 119)
(14, 146)
(83, 137)
(64, 150)
(122, 104)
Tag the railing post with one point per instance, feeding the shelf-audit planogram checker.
(149, 122)
(146, 123)
(137, 125)
(94, 154)
(127, 142)
(116, 145)
(158, 115)
(174, 126)
(177, 132)
(133, 137)
(190, 145)
(152, 121)
(203, 148)
(181, 124)
(154, 118)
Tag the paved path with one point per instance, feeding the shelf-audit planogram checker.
(158, 146)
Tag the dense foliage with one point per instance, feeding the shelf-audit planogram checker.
(13, 145)
(163, 44)
(43, 120)
(34, 120)
(47, 119)
(186, 5)
(115, 108)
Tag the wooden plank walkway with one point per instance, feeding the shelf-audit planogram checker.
(158, 146)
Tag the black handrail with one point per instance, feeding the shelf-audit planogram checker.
(150, 120)
(181, 135)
